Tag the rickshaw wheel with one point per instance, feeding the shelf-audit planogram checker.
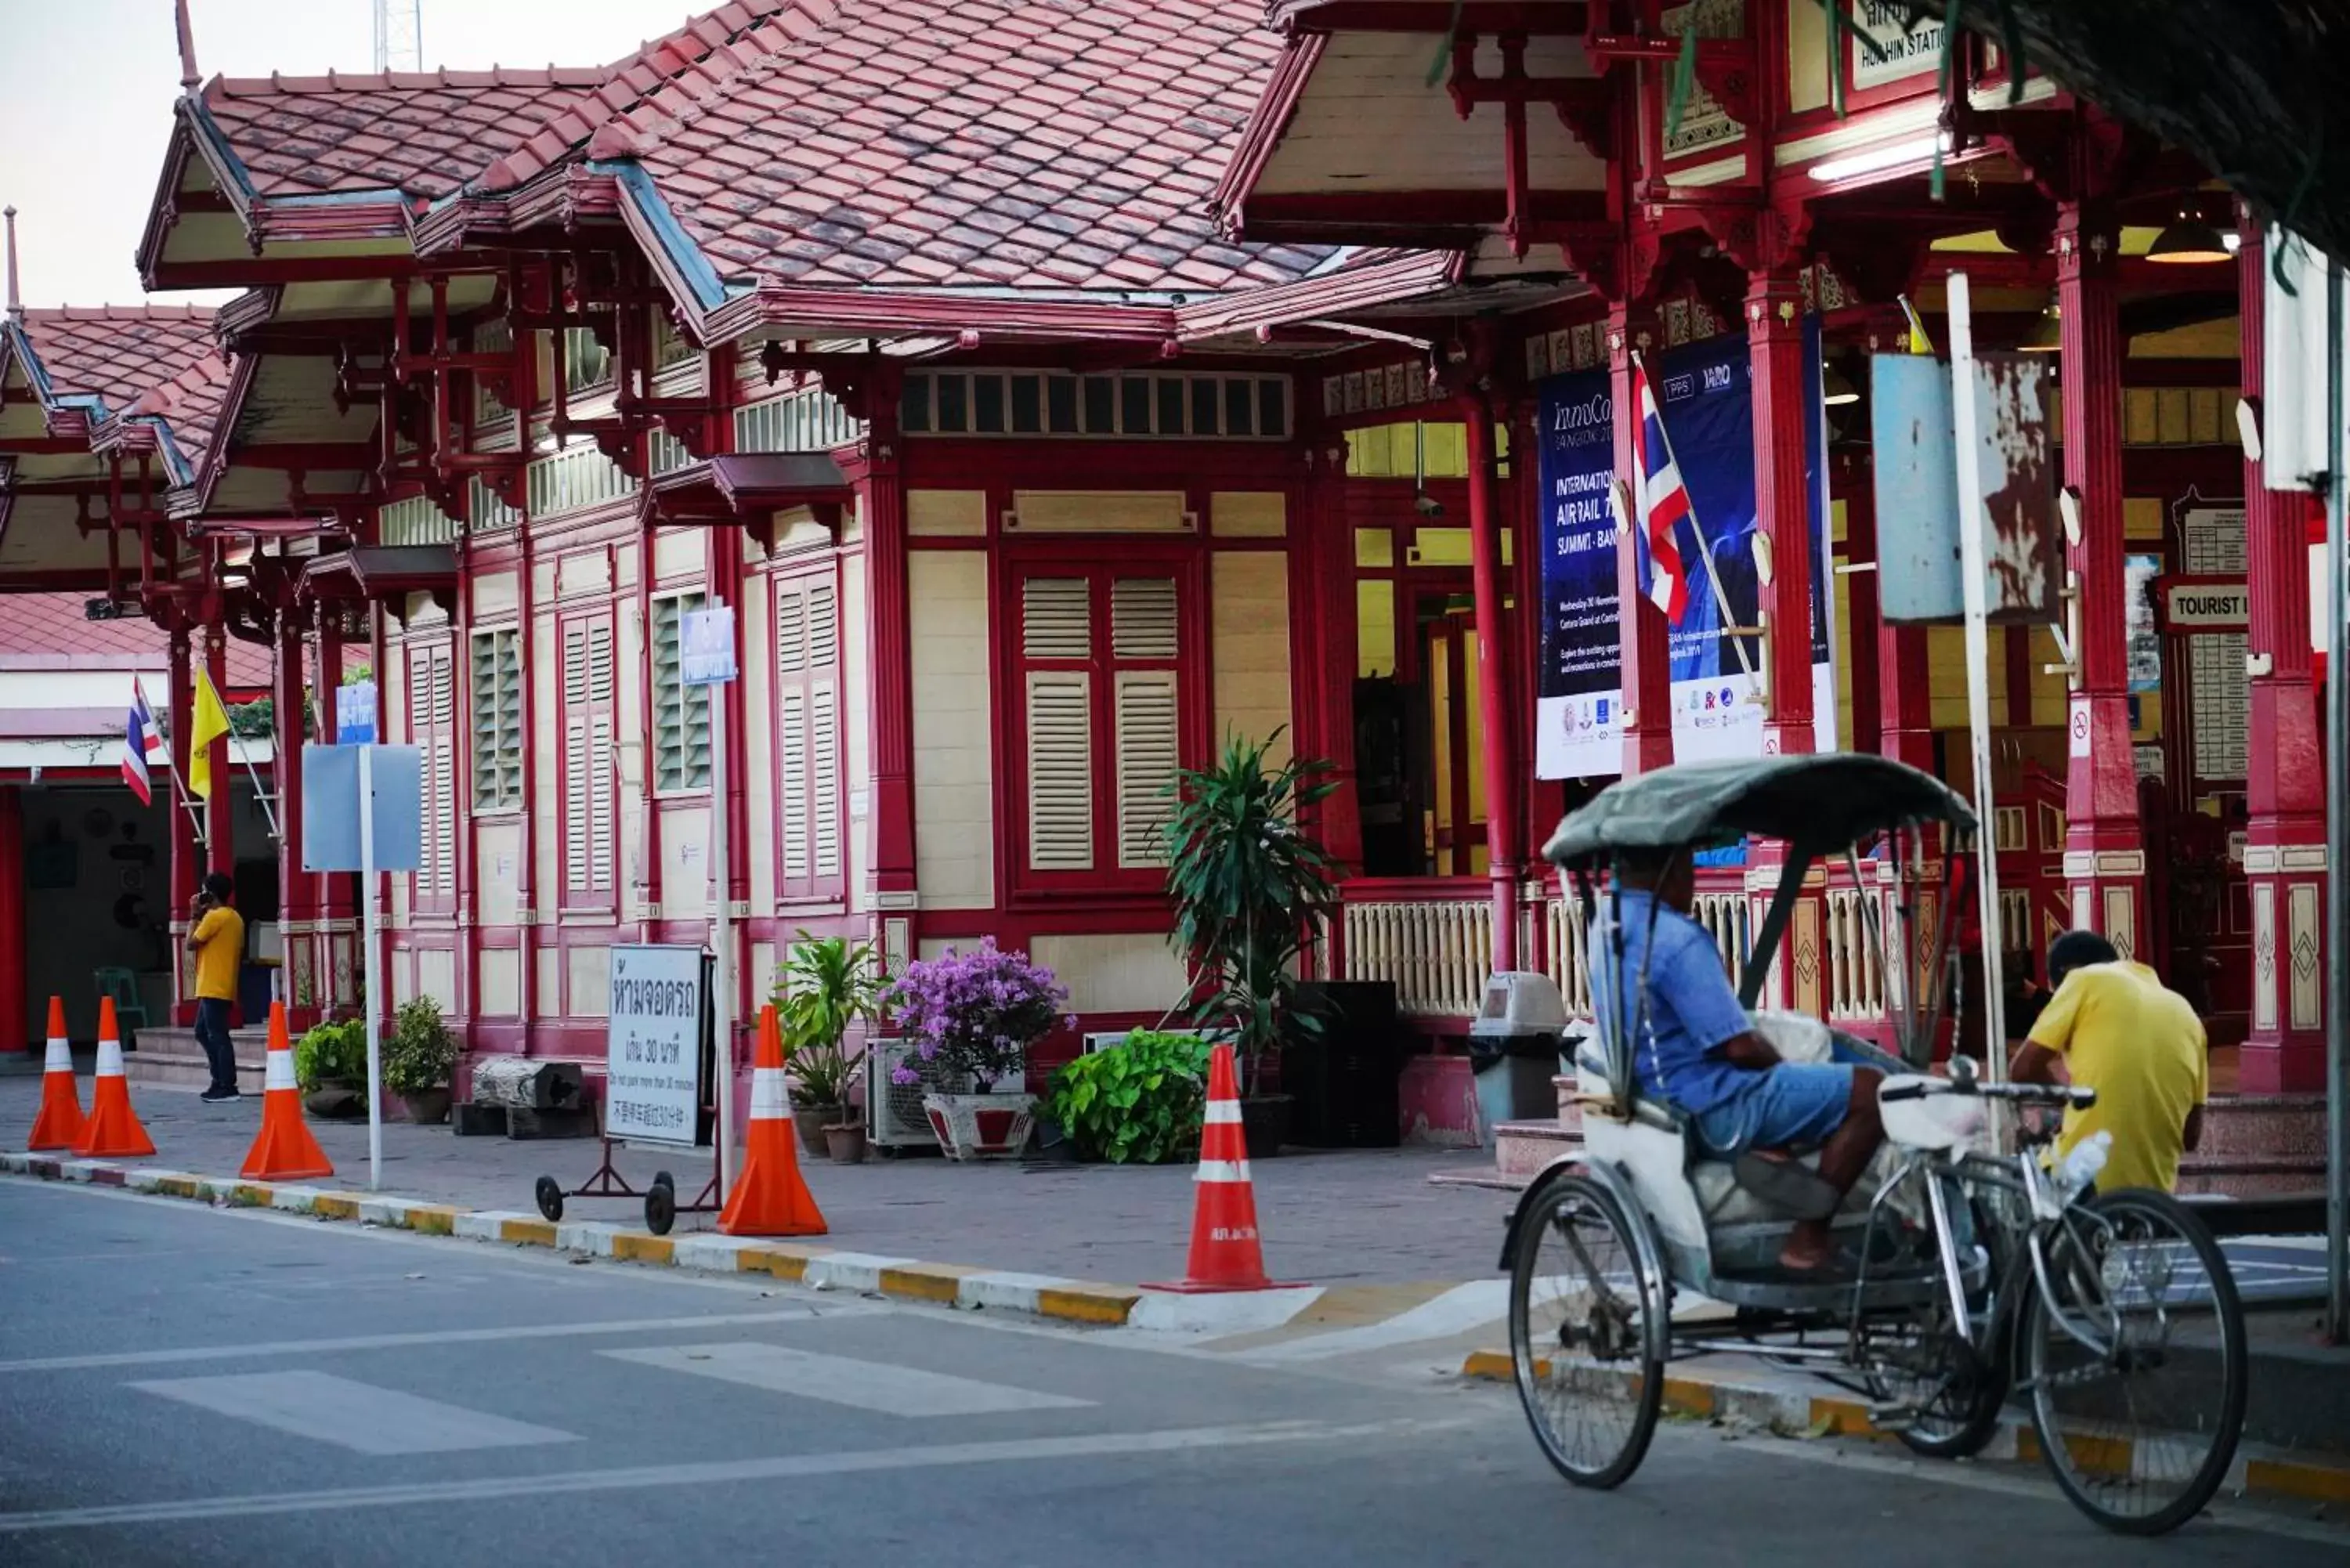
(2137, 1436)
(1584, 1318)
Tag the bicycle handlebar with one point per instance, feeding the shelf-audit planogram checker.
(2020, 1093)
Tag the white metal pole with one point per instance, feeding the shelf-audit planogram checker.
(375, 969)
(722, 942)
(2338, 821)
(1974, 563)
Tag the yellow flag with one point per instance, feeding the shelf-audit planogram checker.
(1918, 342)
(211, 724)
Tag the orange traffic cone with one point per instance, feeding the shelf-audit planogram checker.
(284, 1149)
(60, 1123)
(113, 1130)
(1225, 1255)
(770, 1199)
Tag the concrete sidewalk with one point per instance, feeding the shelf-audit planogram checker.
(1366, 1217)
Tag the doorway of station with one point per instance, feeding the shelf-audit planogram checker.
(1420, 739)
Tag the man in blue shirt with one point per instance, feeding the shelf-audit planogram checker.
(1693, 1047)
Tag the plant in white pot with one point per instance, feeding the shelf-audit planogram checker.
(826, 987)
(972, 1017)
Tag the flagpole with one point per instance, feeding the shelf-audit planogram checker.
(1704, 551)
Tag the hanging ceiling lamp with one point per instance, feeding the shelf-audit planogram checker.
(2190, 242)
(2047, 334)
(1836, 389)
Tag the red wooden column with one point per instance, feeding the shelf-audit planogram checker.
(881, 509)
(187, 854)
(296, 889)
(1329, 651)
(1782, 514)
(1496, 652)
(1647, 725)
(15, 1033)
(2284, 850)
(220, 816)
(2104, 852)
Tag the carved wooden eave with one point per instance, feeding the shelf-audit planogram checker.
(747, 489)
(385, 575)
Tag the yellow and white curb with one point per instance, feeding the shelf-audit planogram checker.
(1794, 1412)
(815, 1267)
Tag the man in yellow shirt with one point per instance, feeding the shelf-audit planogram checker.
(2119, 1031)
(217, 938)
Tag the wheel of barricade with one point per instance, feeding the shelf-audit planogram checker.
(660, 1208)
(549, 1193)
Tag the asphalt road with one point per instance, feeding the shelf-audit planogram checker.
(187, 1387)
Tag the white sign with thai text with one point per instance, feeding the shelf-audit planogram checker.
(652, 1053)
(1907, 51)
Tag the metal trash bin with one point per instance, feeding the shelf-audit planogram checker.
(1514, 1044)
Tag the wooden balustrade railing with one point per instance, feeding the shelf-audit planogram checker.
(1430, 937)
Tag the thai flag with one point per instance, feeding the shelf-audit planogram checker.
(1664, 502)
(142, 744)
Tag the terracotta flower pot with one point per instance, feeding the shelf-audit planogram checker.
(846, 1141)
(811, 1121)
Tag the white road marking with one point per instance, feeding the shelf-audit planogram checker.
(439, 1493)
(875, 1385)
(1457, 1311)
(274, 1349)
(355, 1415)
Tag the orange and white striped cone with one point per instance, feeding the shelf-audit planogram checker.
(284, 1149)
(1226, 1252)
(60, 1123)
(770, 1197)
(112, 1131)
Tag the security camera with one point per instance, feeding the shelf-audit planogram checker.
(1428, 506)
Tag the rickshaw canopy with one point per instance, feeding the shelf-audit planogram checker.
(1820, 804)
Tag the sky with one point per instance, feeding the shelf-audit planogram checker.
(87, 89)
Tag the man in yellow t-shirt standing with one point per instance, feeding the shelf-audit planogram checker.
(2118, 1030)
(217, 938)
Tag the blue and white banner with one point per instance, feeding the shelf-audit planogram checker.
(1708, 408)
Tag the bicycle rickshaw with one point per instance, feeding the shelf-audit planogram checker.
(1975, 1274)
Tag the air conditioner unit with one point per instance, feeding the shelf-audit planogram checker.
(894, 1117)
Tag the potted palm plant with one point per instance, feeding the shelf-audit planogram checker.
(826, 987)
(419, 1056)
(972, 1017)
(1249, 889)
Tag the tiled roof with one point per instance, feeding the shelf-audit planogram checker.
(1049, 144)
(1029, 143)
(422, 132)
(49, 631)
(119, 352)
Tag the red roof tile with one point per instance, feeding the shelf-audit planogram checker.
(120, 351)
(49, 631)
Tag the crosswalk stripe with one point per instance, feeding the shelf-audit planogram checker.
(875, 1385)
(350, 1415)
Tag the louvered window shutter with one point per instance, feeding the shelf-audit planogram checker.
(496, 720)
(1143, 632)
(603, 831)
(824, 733)
(432, 717)
(680, 713)
(1057, 629)
(587, 785)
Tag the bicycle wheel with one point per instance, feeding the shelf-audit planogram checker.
(1583, 1317)
(1954, 1395)
(2140, 1425)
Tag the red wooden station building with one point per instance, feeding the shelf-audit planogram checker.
(1054, 389)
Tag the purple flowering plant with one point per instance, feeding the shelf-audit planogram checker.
(972, 1015)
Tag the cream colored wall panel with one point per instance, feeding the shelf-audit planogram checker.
(587, 572)
(496, 594)
(424, 613)
(761, 977)
(500, 971)
(587, 982)
(685, 862)
(946, 513)
(856, 710)
(497, 867)
(403, 976)
(1249, 621)
(436, 976)
(954, 825)
(758, 624)
(1247, 513)
(1100, 512)
(1807, 57)
(1121, 972)
(679, 553)
(545, 669)
(544, 577)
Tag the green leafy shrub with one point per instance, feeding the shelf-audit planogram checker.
(332, 1053)
(1138, 1103)
(419, 1053)
(825, 987)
